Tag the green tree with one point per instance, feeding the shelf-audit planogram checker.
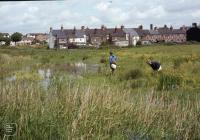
(5, 39)
(16, 37)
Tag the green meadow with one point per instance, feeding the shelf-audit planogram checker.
(71, 94)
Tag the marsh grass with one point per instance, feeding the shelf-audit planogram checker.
(134, 102)
(74, 110)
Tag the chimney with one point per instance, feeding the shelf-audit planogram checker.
(183, 28)
(165, 26)
(74, 30)
(122, 27)
(82, 27)
(141, 27)
(102, 27)
(51, 29)
(61, 27)
(151, 26)
(155, 28)
(194, 25)
(95, 30)
(115, 29)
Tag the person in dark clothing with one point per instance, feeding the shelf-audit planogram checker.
(156, 66)
(112, 61)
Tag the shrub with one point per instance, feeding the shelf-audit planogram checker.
(103, 60)
(133, 74)
(85, 57)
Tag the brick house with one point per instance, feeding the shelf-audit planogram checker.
(172, 35)
(143, 35)
(38, 37)
(97, 36)
(118, 37)
(162, 34)
(132, 36)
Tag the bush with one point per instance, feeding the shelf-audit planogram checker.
(103, 60)
(132, 74)
(85, 57)
(139, 43)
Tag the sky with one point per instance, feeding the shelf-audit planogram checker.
(39, 16)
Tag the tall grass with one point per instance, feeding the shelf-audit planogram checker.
(72, 110)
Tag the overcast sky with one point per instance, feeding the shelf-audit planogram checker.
(38, 16)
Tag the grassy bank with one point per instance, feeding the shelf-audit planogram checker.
(133, 103)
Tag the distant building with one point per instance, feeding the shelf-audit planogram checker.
(25, 41)
(38, 37)
(97, 36)
(162, 34)
(143, 35)
(122, 36)
(118, 36)
(62, 38)
(132, 36)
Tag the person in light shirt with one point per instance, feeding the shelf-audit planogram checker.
(113, 62)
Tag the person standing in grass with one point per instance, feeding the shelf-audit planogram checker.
(113, 62)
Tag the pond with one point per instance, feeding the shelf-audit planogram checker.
(73, 70)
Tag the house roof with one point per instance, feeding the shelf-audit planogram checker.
(130, 31)
(68, 33)
(96, 32)
(141, 32)
(79, 33)
(37, 34)
(153, 32)
(170, 31)
(59, 33)
(116, 32)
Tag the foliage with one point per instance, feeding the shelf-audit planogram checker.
(16, 37)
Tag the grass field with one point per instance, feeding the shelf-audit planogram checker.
(71, 94)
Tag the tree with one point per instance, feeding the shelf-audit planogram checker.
(5, 39)
(16, 37)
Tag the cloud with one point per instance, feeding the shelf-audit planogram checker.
(39, 16)
(103, 6)
(94, 20)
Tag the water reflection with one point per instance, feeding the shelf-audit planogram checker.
(45, 74)
(74, 70)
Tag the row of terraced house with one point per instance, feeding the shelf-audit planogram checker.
(119, 36)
